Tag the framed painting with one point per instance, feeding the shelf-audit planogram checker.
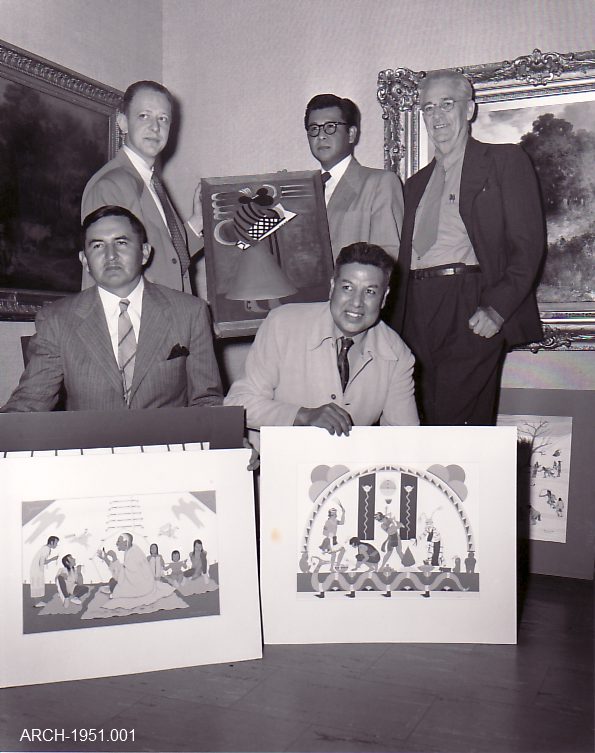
(393, 534)
(145, 559)
(57, 129)
(546, 103)
(266, 243)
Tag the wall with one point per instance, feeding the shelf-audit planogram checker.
(112, 42)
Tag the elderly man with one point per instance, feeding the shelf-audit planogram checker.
(130, 180)
(125, 342)
(331, 364)
(471, 248)
(362, 203)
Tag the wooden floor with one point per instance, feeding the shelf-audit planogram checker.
(534, 697)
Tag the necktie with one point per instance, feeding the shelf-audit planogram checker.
(173, 223)
(342, 360)
(426, 220)
(326, 176)
(126, 348)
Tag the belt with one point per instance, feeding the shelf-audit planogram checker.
(462, 269)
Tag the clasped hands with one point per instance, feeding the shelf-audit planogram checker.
(485, 322)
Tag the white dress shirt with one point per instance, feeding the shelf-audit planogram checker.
(111, 308)
(336, 173)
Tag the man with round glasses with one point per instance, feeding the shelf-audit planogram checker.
(362, 203)
(471, 247)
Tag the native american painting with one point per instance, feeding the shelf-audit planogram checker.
(112, 560)
(388, 531)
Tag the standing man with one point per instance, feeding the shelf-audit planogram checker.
(123, 343)
(472, 245)
(131, 180)
(362, 203)
(331, 364)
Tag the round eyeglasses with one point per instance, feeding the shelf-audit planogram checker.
(445, 105)
(329, 128)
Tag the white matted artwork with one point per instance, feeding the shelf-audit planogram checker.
(544, 474)
(141, 561)
(393, 534)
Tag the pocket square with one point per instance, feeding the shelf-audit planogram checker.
(178, 351)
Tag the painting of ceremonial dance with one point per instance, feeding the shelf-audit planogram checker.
(113, 560)
(392, 531)
(544, 474)
(390, 534)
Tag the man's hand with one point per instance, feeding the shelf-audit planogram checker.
(331, 417)
(196, 220)
(485, 322)
(254, 462)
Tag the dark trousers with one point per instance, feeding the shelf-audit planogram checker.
(457, 372)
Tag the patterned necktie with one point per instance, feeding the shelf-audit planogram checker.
(428, 215)
(326, 176)
(342, 360)
(173, 222)
(126, 348)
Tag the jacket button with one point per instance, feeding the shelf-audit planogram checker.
(174, 260)
(333, 397)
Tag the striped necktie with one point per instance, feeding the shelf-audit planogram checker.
(173, 223)
(126, 348)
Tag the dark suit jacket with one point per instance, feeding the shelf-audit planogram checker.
(366, 205)
(118, 182)
(500, 206)
(72, 347)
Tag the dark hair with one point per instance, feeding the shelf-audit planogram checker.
(156, 547)
(197, 541)
(138, 86)
(65, 561)
(365, 253)
(175, 551)
(349, 110)
(354, 541)
(53, 538)
(111, 210)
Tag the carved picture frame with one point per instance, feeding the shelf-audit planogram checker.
(58, 128)
(538, 80)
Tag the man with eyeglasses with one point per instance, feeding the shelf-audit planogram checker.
(472, 244)
(362, 203)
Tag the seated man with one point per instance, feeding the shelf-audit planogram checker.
(123, 343)
(69, 581)
(331, 364)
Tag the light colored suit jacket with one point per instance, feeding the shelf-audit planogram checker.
(118, 182)
(175, 364)
(500, 206)
(293, 363)
(366, 205)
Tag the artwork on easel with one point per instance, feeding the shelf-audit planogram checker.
(388, 530)
(136, 545)
(544, 474)
(389, 534)
(119, 559)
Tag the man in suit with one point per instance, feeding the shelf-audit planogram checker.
(331, 364)
(362, 203)
(130, 180)
(123, 343)
(472, 244)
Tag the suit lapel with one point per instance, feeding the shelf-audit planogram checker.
(476, 166)
(94, 335)
(347, 188)
(154, 330)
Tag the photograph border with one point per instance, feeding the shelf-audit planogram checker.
(567, 326)
(22, 67)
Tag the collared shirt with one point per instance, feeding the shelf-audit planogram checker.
(337, 172)
(293, 364)
(111, 308)
(452, 243)
(146, 173)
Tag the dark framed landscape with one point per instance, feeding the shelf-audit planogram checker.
(56, 129)
(545, 102)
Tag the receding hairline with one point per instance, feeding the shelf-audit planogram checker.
(462, 84)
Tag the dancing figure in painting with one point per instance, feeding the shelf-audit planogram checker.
(392, 542)
(329, 530)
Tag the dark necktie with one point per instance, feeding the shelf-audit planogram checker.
(426, 220)
(342, 360)
(326, 176)
(126, 348)
(173, 223)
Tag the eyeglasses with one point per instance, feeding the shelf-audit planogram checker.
(445, 105)
(329, 128)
